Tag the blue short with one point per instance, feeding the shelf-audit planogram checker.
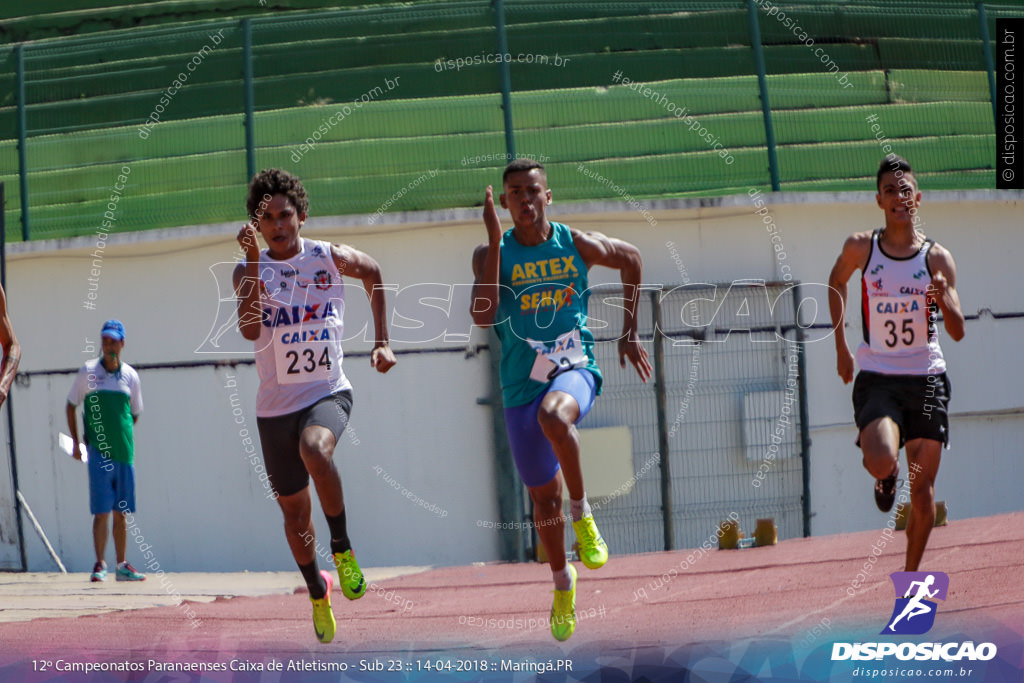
(535, 459)
(111, 484)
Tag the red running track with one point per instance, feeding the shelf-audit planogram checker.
(639, 601)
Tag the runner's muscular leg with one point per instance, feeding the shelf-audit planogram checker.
(880, 443)
(547, 515)
(298, 525)
(316, 446)
(557, 416)
(923, 457)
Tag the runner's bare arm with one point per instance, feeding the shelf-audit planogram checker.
(940, 262)
(600, 250)
(361, 266)
(247, 284)
(12, 350)
(486, 267)
(854, 256)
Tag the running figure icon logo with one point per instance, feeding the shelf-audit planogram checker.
(914, 612)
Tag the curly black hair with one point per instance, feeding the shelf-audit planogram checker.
(271, 181)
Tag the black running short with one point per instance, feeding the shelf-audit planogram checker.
(279, 437)
(916, 403)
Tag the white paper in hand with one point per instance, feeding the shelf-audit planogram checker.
(67, 445)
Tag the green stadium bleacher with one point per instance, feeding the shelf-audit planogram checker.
(89, 92)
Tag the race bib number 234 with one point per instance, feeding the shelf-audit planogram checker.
(304, 355)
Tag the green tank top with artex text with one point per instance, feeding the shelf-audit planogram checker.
(542, 310)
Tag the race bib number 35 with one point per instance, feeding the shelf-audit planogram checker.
(898, 323)
(304, 354)
(566, 354)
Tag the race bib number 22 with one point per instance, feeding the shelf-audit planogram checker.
(566, 354)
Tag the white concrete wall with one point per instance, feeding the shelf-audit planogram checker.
(203, 506)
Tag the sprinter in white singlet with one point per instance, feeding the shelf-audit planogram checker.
(291, 304)
(901, 394)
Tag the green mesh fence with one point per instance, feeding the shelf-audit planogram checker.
(398, 106)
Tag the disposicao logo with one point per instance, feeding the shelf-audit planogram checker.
(914, 614)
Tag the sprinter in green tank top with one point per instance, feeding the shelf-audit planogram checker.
(531, 284)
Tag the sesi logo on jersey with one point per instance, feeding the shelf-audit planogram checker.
(561, 297)
(294, 315)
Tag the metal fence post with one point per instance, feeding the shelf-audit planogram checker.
(762, 84)
(250, 101)
(506, 78)
(660, 401)
(508, 484)
(805, 438)
(510, 491)
(990, 66)
(19, 61)
(12, 450)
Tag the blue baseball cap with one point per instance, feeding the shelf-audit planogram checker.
(113, 329)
